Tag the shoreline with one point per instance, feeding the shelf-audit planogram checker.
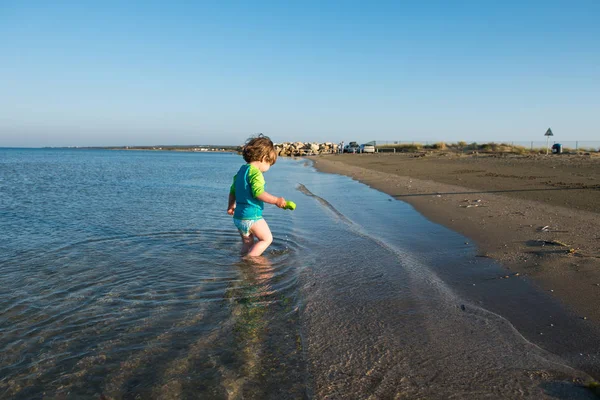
(509, 207)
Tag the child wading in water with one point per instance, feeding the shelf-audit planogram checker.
(247, 196)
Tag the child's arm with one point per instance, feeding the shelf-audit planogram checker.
(231, 203)
(257, 185)
(269, 198)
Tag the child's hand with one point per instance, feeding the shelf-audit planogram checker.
(280, 202)
(230, 210)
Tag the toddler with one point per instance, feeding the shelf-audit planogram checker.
(247, 196)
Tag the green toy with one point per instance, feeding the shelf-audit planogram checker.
(289, 205)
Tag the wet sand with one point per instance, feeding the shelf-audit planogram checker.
(539, 216)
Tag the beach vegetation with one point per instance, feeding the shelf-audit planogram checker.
(404, 147)
(584, 149)
(438, 146)
(520, 150)
(461, 147)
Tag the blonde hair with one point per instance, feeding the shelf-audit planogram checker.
(259, 148)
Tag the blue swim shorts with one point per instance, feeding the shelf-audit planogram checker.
(244, 225)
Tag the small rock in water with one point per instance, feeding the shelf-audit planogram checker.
(462, 307)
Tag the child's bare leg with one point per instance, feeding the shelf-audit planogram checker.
(247, 242)
(261, 230)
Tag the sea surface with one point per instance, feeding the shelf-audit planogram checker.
(120, 277)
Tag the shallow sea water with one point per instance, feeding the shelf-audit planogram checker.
(120, 278)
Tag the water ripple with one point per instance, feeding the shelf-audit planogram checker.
(81, 305)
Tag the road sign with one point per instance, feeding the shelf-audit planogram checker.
(548, 134)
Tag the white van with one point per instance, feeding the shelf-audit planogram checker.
(367, 148)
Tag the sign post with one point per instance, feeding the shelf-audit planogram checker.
(548, 134)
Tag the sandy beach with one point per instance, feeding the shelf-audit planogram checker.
(537, 215)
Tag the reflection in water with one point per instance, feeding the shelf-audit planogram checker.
(264, 322)
(250, 298)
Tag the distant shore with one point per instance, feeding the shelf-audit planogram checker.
(200, 149)
(537, 215)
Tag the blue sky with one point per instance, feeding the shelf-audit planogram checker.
(215, 72)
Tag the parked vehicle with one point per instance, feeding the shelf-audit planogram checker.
(352, 147)
(367, 148)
